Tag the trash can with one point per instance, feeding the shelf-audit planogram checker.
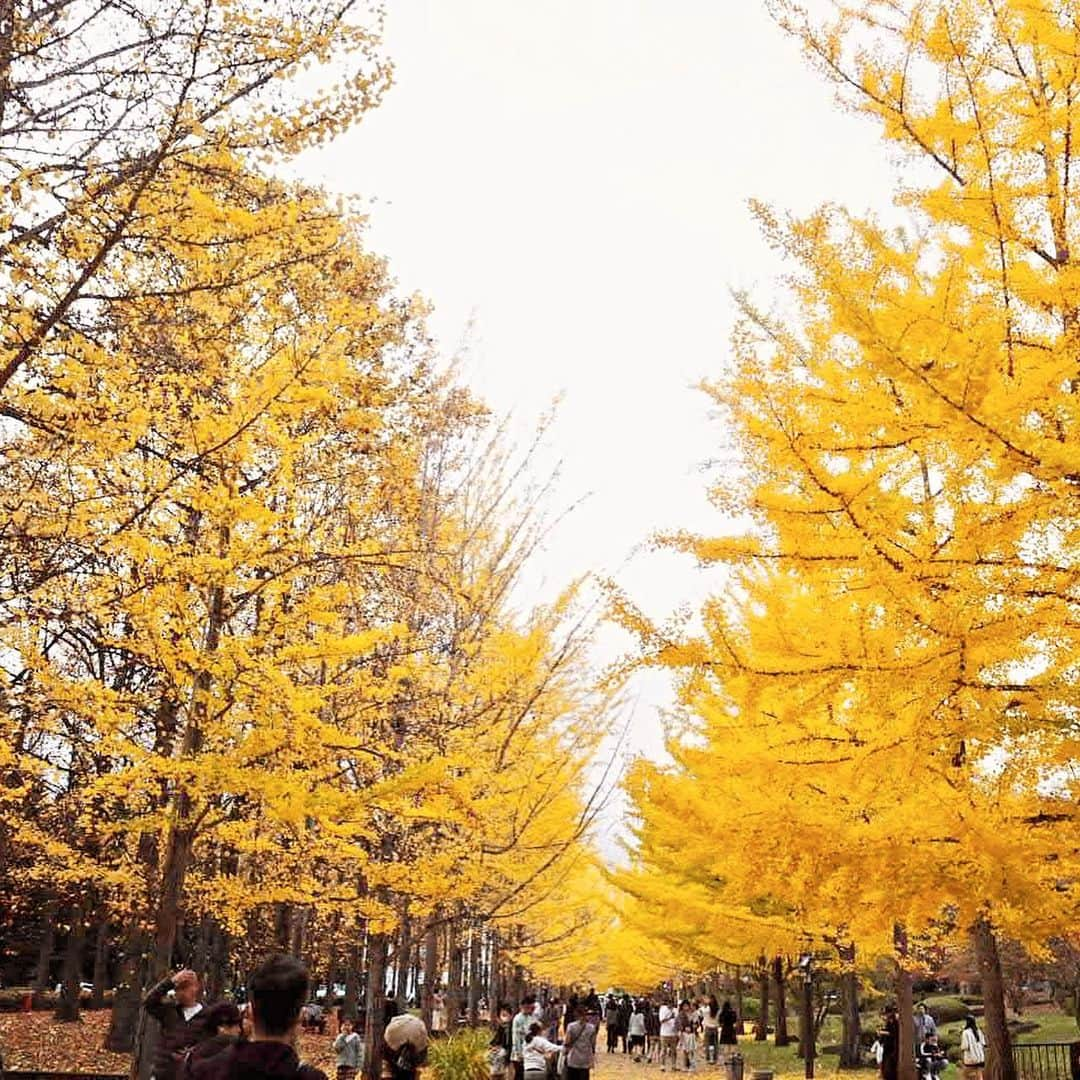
(735, 1067)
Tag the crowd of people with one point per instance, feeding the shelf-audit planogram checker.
(560, 1039)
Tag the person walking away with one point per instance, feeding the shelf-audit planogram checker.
(636, 1031)
(277, 991)
(537, 1053)
(179, 1019)
(669, 1036)
(890, 1044)
(221, 1032)
(687, 1036)
(500, 1045)
(652, 1032)
(553, 1016)
(438, 1014)
(404, 1044)
(626, 1007)
(519, 1029)
(972, 1050)
(728, 1022)
(580, 1044)
(711, 1025)
(349, 1048)
(611, 1023)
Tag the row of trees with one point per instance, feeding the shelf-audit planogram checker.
(264, 680)
(876, 749)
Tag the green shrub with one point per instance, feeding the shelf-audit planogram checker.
(463, 1056)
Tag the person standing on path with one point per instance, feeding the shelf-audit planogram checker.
(519, 1029)
(669, 1036)
(636, 1031)
(711, 1024)
(728, 1021)
(537, 1052)
(349, 1048)
(580, 1045)
(890, 1044)
(972, 1050)
(181, 1024)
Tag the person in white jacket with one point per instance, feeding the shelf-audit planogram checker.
(972, 1050)
(536, 1051)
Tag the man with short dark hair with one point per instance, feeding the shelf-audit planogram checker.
(277, 991)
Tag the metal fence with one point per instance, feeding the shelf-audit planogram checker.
(1047, 1061)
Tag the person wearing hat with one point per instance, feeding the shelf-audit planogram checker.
(405, 1043)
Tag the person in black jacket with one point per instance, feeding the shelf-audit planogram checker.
(180, 1020)
(277, 991)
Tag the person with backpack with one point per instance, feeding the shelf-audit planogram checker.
(579, 1045)
(277, 991)
(972, 1050)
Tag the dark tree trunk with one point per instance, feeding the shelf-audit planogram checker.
(904, 1007)
(127, 994)
(780, 981)
(999, 1057)
(216, 962)
(431, 968)
(404, 959)
(453, 986)
(46, 948)
(474, 975)
(101, 965)
(738, 1001)
(352, 983)
(761, 1033)
(493, 975)
(67, 1009)
(850, 1022)
(375, 1004)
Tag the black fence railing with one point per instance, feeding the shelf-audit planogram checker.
(1047, 1061)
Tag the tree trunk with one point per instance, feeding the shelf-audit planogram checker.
(474, 975)
(67, 1009)
(493, 976)
(906, 1063)
(851, 1023)
(739, 1001)
(46, 947)
(431, 968)
(761, 1033)
(999, 1057)
(779, 979)
(453, 984)
(375, 1004)
(127, 994)
(352, 983)
(404, 959)
(101, 965)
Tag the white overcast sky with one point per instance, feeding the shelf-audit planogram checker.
(574, 174)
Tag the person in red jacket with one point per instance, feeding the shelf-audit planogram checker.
(180, 1019)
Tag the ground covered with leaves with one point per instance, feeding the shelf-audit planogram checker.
(31, 1041)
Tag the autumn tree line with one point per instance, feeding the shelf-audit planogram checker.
(875, 753)
(266, 681)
